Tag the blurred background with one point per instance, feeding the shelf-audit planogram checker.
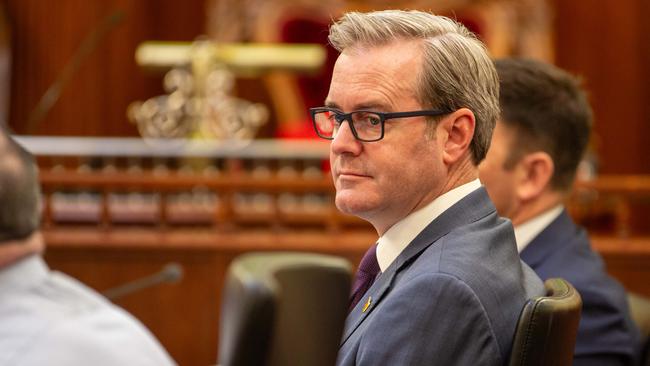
(244, 171)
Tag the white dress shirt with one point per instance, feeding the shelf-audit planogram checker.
(395, 239)
(526, 232)
(48, 318)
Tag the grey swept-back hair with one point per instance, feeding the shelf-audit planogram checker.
(457, 70)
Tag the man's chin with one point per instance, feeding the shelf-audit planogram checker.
(351, 204)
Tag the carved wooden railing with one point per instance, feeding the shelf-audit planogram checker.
(272, 183)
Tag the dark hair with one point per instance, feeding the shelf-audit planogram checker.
(548, 111)
(20, 194)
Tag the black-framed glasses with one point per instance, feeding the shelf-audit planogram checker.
(365, 125)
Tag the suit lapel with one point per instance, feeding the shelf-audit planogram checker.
(469, 209)
(376, 292)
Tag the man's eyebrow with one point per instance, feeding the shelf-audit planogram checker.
(372, 106)
(330, 104)
(375, 106)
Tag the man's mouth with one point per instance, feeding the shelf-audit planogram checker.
(351, 174)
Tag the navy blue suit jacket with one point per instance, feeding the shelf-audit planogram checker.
(606, 334)
(452, 297)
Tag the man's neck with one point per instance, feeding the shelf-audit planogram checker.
(537, 206)
(393, 241)
(457, 177)
(14, 250)
(529, 230)
(461, 173)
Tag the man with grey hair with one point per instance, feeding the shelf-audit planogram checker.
(410, 112)
(48, 318)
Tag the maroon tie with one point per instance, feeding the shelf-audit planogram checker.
(366, 273)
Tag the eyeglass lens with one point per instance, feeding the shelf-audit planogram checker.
(367, 125)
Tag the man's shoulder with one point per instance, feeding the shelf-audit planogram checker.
(605, 326)
(461, 238)
(104, 342)
(64, 322)
(484, 241)
(566, 252)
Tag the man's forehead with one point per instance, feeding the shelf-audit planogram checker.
(373, 78)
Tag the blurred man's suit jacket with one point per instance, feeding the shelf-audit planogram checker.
(606, 334)
(452, 297)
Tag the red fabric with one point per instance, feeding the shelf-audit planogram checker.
(297, 130)
(313, 88)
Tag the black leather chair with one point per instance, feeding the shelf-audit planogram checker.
(547, 327)
(640, 312)
(283, 309)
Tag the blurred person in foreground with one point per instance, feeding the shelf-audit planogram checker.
(46, 317)
(410, 112)
(529, 170)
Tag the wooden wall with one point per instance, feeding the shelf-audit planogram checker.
(608, 43)
(46, 35)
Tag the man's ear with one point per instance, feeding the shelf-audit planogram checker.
(534, 175)
(458, 128)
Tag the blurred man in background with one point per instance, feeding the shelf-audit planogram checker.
(529, 170)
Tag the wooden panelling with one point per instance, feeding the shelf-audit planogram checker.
(628, 260)
(607, 43)
(46, 35)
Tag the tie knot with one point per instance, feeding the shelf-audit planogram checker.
(369, 264)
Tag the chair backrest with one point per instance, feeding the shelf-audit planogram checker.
(547, 327)
(283, 309)
(640, 312)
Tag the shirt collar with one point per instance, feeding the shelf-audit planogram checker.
(526, 232)
(395, 239)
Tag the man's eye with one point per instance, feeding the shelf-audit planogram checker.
(374, 120)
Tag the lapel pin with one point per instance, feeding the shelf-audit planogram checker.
(367, 304)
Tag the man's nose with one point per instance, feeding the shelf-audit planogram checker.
(344, 141)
